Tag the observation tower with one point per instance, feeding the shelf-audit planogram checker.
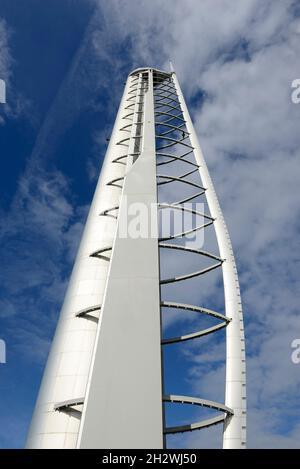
(103, 385)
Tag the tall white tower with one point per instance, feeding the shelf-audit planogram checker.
(103, 383)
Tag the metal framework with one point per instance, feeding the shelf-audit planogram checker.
(103, 385)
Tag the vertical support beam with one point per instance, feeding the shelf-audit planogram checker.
(133, 133)
(234, 434)
(123, 405)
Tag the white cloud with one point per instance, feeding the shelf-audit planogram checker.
(5, 55)
(42, 220)
(16, 104)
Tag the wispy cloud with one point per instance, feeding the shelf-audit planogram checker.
(16, 104)
(5, 54)
(41, 220)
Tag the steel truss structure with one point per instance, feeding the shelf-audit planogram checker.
(103, 386)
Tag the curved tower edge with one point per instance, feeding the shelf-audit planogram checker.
(234, 433)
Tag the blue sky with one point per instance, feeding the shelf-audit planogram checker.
(65, 62)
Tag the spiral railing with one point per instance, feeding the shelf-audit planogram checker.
(173, 146)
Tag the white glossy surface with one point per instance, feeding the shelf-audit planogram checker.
(68, 365)
(123, 407)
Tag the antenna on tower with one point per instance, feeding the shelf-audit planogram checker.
(171, 66)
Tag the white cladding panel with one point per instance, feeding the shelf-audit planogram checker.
(123, 407)
(68, 365)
